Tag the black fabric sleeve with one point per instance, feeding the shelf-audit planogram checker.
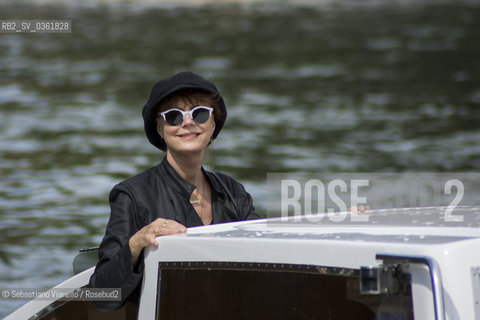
(246, 207)
(236, 191)
(114, 269)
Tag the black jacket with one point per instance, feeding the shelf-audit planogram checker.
(158, 192)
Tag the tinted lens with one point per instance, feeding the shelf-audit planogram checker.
(201, 115)
(174, 117)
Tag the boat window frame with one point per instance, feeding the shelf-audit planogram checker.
(256, 266)
(434, 273)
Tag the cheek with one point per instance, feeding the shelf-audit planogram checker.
(160, 128)
(212, 126)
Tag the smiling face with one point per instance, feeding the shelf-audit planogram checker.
(189, 136)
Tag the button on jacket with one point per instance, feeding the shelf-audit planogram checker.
(159, 192)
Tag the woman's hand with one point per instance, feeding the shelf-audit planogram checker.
(146, 236)
(359, 209)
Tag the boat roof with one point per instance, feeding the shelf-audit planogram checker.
(424, 225)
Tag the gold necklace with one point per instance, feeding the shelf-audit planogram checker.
(197, 202)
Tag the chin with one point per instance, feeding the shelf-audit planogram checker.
(189, 148)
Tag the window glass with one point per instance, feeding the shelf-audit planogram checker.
(273, 291)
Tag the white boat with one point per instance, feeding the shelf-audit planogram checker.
(400, 264)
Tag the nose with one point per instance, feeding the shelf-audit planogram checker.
(187, 121)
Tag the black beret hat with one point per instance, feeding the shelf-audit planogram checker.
(163, 88)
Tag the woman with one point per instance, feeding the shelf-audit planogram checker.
(182, 117)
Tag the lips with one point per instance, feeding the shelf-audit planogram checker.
(189, 135)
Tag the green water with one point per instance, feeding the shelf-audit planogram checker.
(340, 87)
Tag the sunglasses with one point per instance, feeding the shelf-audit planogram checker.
(174, 117)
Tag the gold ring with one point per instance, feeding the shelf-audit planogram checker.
(156, 232)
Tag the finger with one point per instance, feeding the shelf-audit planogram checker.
(149, 239)
(175, 226)
(140, 240)
(363, 208)
(154, 242)
(166, 226)
(161, 227)
(172, 230)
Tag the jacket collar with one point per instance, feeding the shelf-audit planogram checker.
(180, 185)
(174, 180)
(214, 183)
